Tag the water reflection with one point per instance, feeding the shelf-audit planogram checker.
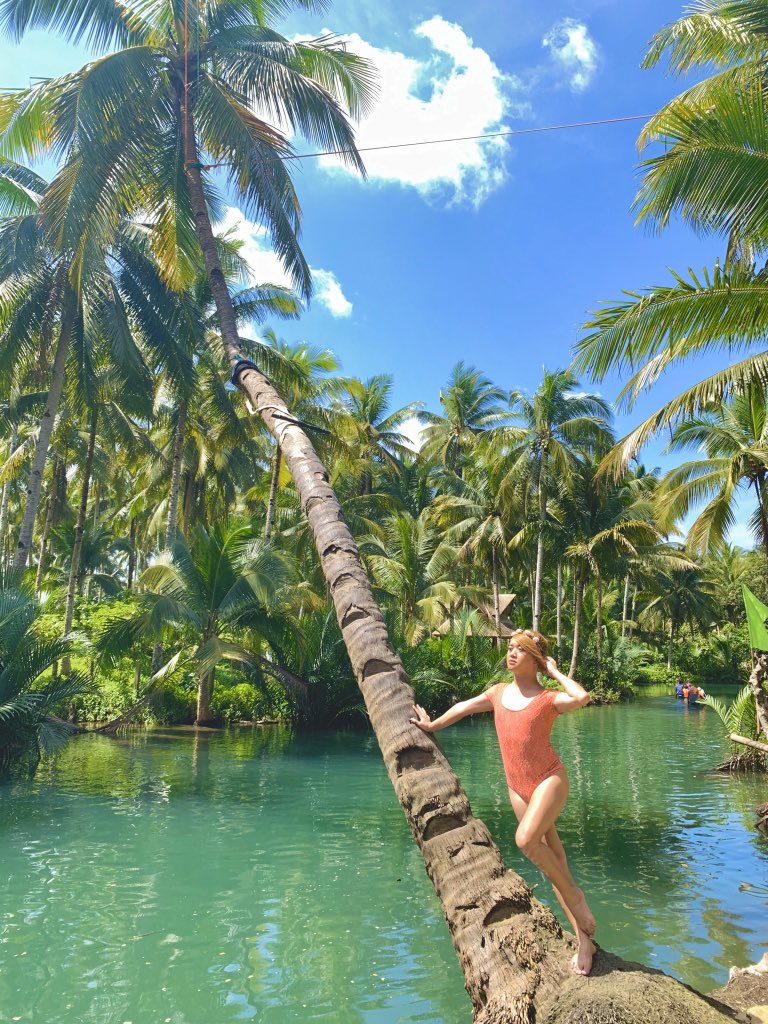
(200, 878)
(206, 878)
(660, 841)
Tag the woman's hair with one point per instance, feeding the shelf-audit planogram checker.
(533, 643)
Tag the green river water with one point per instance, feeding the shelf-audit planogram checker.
(250, 875)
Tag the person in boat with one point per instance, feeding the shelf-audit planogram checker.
(693, 694)
(679, 688)
(700, 692)
(524, 713)
(686, 691)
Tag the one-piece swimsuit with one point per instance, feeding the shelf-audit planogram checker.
(524, 740)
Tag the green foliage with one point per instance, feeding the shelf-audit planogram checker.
(613, 678)
(27, 728)
(658, 675)
(174, 703)
(105, 698)
(721, 656)
(321, 660)
(740, 717)
(454, 667)
(241, 702)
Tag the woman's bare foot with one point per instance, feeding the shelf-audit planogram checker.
(584, 916)
(581, 962)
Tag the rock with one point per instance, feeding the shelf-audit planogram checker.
(747, 991)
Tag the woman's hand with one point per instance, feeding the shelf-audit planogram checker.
(551, 667)
(422, 719)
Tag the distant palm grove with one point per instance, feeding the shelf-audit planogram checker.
(158, 562)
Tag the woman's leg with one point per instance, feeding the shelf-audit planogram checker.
(544, 807)
(552, 839)
(581, 962)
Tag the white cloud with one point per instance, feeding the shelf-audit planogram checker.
(455, 90)
(413, 431)
(574, 50)
(328, 291)
(266, 268)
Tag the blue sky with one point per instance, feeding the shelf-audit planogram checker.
(491, 252)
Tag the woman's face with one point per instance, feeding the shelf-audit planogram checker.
(517, 658)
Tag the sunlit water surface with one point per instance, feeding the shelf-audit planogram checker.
(169, 878)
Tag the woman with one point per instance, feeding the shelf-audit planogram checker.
(524, 713)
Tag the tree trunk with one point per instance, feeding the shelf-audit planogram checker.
(96, 503)
(131, 555)
(6, 493)
(577, 604)
(540, 552)
(756, 680)
(189, 497)
(74, 567)
(510, 946)
(178, 453)
(136, 678)
(632, 612)
(559, 606)
(599, 619)
(272, 494)
(625, 608)
(671, 643)
(49, 514)
(204, 692)
(44, 437)
(295, 685)
(763, 512)
(496, 602)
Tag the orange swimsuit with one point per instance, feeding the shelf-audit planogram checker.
(526, 752)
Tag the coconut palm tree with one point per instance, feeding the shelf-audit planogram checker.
(204, 598)
(471, 404)
(739, 717)
(679, 598)
(610, 527)
(482, 515)
(301, 372)
(712, 173)
(412, 564)
(370, 433)
(734, 438)
(140, 129)
(554, 427)
(96, 314)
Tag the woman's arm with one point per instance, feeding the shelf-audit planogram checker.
(575, 695)
(454, 714)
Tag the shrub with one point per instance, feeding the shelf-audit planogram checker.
(614, 679)
(658, 675)
(104, 698)
(241, 702)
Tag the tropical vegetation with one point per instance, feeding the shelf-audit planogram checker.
(175, 557)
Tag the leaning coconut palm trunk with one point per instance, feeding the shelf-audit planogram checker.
(509, 945)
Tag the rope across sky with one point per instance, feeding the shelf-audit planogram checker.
(469, 138)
